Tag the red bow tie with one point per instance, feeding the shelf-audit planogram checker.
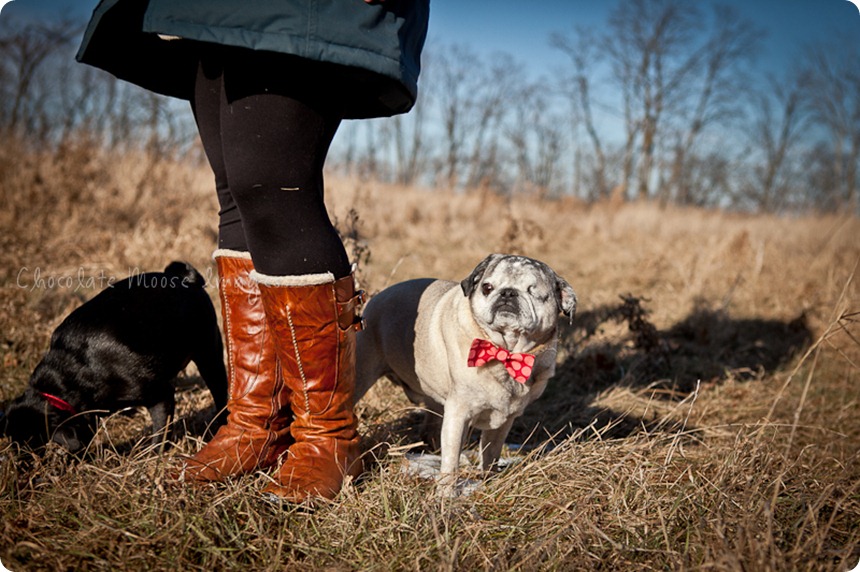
(519, 366)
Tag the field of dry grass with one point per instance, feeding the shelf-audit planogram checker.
(705, 414)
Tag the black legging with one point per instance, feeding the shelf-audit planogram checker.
(266, 129)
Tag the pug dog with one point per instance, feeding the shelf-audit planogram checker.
(475, 353)
(121, 349)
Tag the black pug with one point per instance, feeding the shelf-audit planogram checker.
(122, 348)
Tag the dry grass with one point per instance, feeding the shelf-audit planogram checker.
(704, 415)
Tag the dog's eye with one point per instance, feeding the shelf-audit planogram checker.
(486, 288)
(536, 292)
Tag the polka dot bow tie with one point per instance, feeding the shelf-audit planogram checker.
(518, 366)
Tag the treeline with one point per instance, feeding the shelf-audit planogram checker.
(665, 102)
(50, 102)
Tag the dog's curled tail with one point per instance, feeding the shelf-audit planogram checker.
(186, 273)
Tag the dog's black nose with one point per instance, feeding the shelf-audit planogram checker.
(508, 294)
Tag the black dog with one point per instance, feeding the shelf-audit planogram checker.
(123, 348)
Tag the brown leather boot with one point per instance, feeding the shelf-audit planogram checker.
(257, 428)
(313, 321)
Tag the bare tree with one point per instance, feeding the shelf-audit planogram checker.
(452, 69)
(716, 89)
(831, 94)
(409, 140)
(363, 152)
(503, 89)
(712, 176)
(773, 139)
(649, 45)
(584, 54)
(536, 139)
(474, 97)
(24, 50)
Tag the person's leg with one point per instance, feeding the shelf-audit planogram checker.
(257, 430)
(206, 106)
(275, 133)
(275, 137)
(313, 321)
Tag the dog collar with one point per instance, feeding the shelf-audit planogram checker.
(518, 365)
(58, 403)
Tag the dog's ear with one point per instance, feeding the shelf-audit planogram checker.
(187, 274)
(471, 282)
(566, 297)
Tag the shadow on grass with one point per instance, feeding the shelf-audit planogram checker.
(708, 347)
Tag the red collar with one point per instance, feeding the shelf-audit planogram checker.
(58, 403)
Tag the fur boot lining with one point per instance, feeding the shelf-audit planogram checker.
(227, 253)
(300, 280)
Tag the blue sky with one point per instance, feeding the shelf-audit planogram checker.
(522, 28)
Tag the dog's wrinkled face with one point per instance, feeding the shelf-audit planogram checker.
(515, 295)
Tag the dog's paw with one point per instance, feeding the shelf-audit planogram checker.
(457, 488)
(446, 486)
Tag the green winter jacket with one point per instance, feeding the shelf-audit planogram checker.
(154, 43)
